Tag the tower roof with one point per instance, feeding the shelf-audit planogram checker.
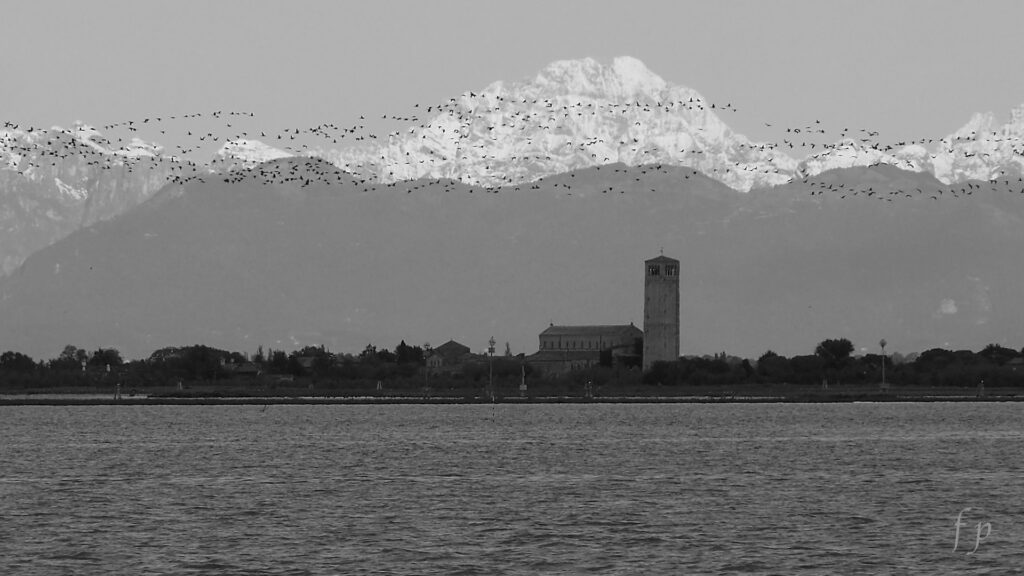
(661, 259)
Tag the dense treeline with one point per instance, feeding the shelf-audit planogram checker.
(832, 363)
(401, 368)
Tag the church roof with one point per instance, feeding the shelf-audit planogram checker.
(592, 330)
(451, 348)
(562, 355)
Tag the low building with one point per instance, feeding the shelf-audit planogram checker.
(243, 369)
(448, 357)
(567, 348)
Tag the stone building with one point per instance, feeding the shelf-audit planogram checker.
(567, 348)
(448, 357)
(661, 310)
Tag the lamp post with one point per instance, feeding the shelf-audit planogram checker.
(490, 367)
(882, 344)
(522, 380)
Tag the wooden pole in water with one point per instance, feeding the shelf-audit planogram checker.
(884, 385)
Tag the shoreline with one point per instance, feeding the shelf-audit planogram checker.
(29, 400)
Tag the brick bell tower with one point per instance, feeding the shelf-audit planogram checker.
(661, 310)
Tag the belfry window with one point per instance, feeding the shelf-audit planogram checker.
(670, 270)
(654, 270)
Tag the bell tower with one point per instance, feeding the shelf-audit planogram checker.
(661, 310)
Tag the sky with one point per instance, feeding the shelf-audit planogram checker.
(908, 69)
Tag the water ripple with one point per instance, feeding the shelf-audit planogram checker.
(570, 489)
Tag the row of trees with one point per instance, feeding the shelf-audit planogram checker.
(832, 362)
(168, 366)
(71, 358)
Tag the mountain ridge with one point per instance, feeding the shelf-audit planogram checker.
(572, 114)
(242, 263)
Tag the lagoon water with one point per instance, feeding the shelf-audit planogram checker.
(507, 489)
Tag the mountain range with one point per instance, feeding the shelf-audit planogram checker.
(56, 181)
(573, 114)
(507, 209)
(313, 259)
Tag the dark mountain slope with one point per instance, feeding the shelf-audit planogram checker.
(242, 263)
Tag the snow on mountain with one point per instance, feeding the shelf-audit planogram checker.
(848, 153)
(980, 150)
(69, 191)
(244, 154)
(80, 141)
(579, 113)
(573, 114)
(55, 181)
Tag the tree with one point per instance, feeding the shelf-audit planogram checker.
(773, 367)
(933, 359)
(279, 362)
(386, 356)
(806, 369)
(997, 354)
(70, 359)
(667, 373)
(70, 353)
(368, 355)
(834, 353)
(201, 362)
(837, 350)
(748, 370)
(16, 362)
(323, 364)
(405, 354)
(312, 351)
(106, 357)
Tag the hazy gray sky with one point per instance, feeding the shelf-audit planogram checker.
(910, 69)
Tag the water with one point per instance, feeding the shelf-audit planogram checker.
(504, 489)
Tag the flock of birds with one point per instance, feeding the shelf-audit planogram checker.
(890, 193)
(470, 126)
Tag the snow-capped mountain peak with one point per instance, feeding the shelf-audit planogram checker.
(981, 149)
(848, 153)
(573, 114)
(627, 77)
(244, 153)
(636, 77)
(58, 180)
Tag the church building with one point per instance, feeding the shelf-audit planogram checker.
(567, 348)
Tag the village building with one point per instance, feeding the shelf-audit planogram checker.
(243, 369)
(448, 357)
